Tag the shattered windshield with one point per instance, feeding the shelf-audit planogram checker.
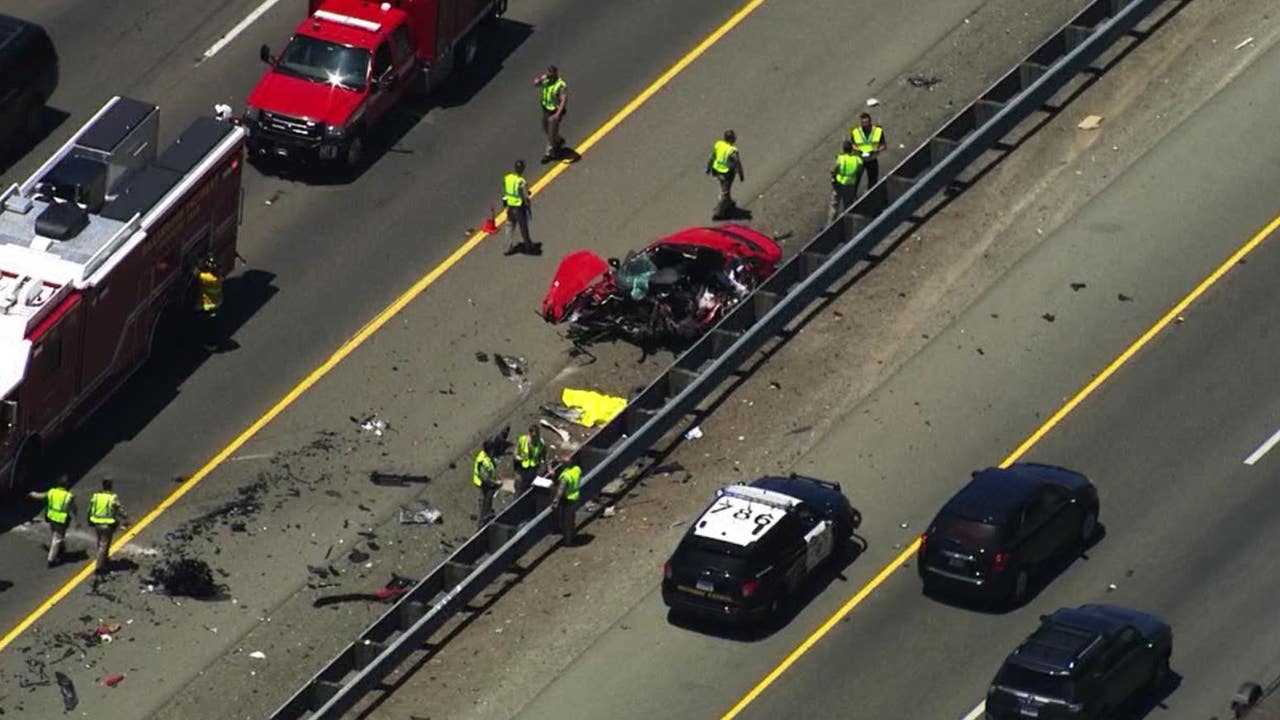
(634, 273)
(322, 61)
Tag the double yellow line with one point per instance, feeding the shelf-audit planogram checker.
(379, 320)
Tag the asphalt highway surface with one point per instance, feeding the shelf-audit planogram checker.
(323, 259)
(1178, 440)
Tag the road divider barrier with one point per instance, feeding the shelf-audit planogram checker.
(935, 165)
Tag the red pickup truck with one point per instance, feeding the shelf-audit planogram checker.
(348, 64)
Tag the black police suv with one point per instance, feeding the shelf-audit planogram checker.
(1088, 662)
(993, 536)
(755, 545)
(28, 76)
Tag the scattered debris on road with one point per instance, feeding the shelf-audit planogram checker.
(482, 357)
(426, 516)
(396, 479)
(1090, 122)
(512, 368)
(564, 413)
(559, 431)
(68, 689)
(1123, 298)
(872, 102)
(372, 424)
(1244, 43)
(1049, 317)
(693, 433)
(923, 81)
(186, 577)
(258, 655)
(113, 680)
(1078, 286)
(396, 587)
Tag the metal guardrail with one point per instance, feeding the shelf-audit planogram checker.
(691, 379)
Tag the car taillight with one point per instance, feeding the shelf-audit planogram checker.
(924, 542)
(666, 570)
(999, 561)
(750, 587)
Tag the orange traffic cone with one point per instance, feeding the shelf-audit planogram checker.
(489, 227)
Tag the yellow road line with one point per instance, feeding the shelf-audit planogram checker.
(1013, 457)
(382, 318)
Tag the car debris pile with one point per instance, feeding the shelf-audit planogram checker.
(667, 294)
(186, 577)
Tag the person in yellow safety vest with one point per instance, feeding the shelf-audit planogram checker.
(724, 164)
(554, 99)
(208, 287)
(568, 482)
(844, 179)
(868, 138)
(59, 509)
(484, 475)
(105, 515)
(515, 196)
(530, 457)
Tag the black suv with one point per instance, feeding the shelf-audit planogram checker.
(755, 545)
(991, 538)
(1088, 662)
(28, 76)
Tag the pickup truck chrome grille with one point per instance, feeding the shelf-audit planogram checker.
(295, 127)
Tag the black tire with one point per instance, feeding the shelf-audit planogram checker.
(1088, 527)
(354, 153)
(468, 50)
(1020, 588)
(1160, 678)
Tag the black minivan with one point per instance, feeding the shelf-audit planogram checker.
(995, 535)
(28, 77)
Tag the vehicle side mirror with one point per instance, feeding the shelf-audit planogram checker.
(8, 414)
(264, 52)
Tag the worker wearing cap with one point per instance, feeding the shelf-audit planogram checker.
(208, 297)
(844, 179)
(554, 99)
(868, 138)
(59, 508)
(515, 196)
(568, 482)
(724, 164)
(531, 455)
(484, 475)
(105, 515)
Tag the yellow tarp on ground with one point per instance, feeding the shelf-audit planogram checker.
(597, 408)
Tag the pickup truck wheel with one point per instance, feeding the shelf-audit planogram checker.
(468, 50)
(354, 155)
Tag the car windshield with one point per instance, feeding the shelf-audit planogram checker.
(322, 61)
(1017, 677)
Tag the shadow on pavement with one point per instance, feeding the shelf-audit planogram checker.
(50, 120)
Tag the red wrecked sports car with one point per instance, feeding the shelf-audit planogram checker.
(666, 294)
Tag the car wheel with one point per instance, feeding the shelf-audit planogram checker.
(1021, 585)
(1160, 678)
(1088, 527)
(354, 156)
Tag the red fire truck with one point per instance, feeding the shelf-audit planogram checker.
(94, 248)
(349, 63)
